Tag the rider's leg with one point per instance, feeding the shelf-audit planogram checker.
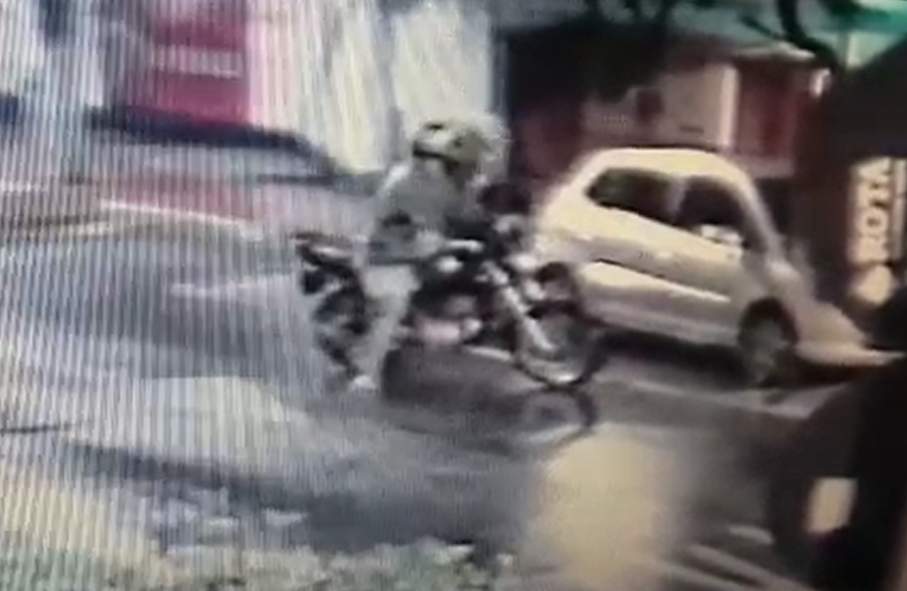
(391, 286)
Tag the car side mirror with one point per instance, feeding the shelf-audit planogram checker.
(723, 235)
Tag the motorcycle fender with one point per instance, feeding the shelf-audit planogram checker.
(541, 308)
(312, 282)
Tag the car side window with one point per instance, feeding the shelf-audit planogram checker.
(709, 209)
(636, 191)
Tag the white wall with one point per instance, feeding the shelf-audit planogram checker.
(316, 70)
(87, 55)
(281, 60)
(443, 61)
(700, 105)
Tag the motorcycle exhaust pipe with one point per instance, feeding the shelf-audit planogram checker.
(521, 311)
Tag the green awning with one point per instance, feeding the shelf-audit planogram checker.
(875, 21)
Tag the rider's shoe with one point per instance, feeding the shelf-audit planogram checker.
(363, 385)
(471, 330)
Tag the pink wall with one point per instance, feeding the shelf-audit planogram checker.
(195, 64)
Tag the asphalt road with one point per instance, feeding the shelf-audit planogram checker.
(114, 330)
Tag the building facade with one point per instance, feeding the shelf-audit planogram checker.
(351, 76)
(356, 76)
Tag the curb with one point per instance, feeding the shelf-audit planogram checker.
(37, 228)
(28, 206)
(246, 229)
(152, 126)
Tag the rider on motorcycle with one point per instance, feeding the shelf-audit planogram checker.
(416, 206)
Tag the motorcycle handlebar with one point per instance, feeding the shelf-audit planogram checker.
(466, 246)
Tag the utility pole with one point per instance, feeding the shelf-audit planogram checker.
(57, 116)
(386, 41)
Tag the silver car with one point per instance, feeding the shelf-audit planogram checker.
(679, 242)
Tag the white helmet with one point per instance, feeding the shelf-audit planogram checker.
(448, 142)
(469, 144)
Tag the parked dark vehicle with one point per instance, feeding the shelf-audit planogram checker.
(856, 436)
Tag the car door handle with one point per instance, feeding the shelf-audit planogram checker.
(664, 255)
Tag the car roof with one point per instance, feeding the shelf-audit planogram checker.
(678, 162)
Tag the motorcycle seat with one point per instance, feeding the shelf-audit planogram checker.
(318, 252)
(329, 256)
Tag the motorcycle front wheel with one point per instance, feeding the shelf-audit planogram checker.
(341, 320)
(575, 351)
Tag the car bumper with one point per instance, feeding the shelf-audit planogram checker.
(845, 355)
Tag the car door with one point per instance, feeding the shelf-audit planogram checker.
(714, 257)
(624, 214)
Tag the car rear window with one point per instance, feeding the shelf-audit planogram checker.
(640, 192)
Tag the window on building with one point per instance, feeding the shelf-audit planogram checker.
(643, 193)
(649, 105)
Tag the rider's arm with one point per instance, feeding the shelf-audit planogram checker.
(382, 206)
(398, 233)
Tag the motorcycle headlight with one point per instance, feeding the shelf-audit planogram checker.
(448, 265)
(523, 262)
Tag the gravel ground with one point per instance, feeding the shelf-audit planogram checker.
(427, 564)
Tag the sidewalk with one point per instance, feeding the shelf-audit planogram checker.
(329, 481)
(244, 188)
(26, 204)
(75, 533)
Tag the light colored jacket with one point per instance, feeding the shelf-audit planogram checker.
(428, 198)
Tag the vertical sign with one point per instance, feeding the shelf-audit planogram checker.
(876, 226)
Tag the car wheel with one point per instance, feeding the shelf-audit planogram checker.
(766, 344)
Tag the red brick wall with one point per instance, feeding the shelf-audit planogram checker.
(772, 99)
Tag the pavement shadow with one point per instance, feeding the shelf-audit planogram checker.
(482, 401)
(717, 363)
(352, 504)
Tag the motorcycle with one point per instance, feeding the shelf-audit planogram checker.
(483, 291)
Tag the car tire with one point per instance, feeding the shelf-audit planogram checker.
(766, 343)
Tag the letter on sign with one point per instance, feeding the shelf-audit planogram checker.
(874, 193)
